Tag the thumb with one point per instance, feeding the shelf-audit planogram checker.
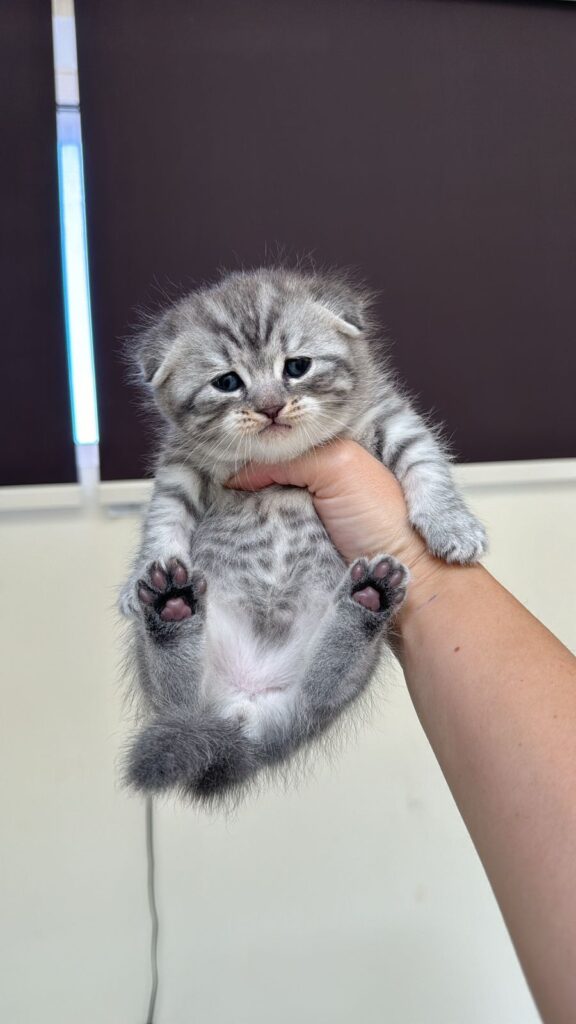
(321, 470)
(255, 476)
(335, 470)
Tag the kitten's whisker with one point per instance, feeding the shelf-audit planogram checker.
(217, 452)
(333, 419)
(215, 449)
(312, 445)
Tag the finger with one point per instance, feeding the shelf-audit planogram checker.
(255, 476)
(320, 470)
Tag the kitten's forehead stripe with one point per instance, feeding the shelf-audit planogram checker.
(252, 331)
(222, 330)
(225, 332)
(270, 323)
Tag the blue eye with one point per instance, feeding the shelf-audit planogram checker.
(297, 367)
(227, 382)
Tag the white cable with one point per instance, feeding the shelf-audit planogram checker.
(153, 908)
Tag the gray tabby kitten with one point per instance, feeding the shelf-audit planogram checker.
(251, 635)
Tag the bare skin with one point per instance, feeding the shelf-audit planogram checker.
(495, 692)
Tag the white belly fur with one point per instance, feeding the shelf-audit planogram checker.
(243, 678)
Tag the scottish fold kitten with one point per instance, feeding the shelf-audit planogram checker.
(251, 635)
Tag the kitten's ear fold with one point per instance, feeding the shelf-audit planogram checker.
(348, 303)
(153, 345)
(345, 323)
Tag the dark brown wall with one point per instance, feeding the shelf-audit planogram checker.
(429, 143)
(35, 430)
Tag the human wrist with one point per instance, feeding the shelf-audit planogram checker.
(429, 578)
(427, 574)
(434, 586)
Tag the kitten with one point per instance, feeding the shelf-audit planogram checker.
(251, 635)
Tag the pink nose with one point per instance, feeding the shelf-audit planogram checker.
(271, 411)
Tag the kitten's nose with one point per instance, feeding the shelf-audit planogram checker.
(271, 411)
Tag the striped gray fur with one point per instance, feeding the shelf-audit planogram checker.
(275, 648)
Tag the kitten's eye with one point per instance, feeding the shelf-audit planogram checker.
(297, 367)
(228, 382)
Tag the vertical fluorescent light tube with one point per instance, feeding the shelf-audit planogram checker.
(73, 230)
(76, 284)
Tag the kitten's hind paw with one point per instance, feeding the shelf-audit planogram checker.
(170, 594)
(199, 754)
(152, 764)
(379, 585)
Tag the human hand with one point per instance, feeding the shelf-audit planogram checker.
(359, 501)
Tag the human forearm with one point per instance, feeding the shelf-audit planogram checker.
(496, 695)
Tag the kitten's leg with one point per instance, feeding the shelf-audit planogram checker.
(185, 744)
(166, 602)
(435, 507)
(201, 754)
(348, 644)
(172, 515)
(170, 628)
(176, 744)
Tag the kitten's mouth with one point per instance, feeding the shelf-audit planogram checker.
(274, 428)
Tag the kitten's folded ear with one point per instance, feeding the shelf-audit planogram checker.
(345, 324)
(153, 344)
(347, 303)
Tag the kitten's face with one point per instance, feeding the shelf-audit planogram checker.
(258, 374)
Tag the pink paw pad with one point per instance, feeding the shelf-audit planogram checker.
(175, 610)
(368, 598)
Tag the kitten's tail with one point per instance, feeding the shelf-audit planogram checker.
(201, 755)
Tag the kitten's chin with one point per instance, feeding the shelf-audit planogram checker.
(281, 446)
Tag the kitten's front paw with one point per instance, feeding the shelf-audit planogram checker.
(378, 585)
(170, 593)
(456, 536)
